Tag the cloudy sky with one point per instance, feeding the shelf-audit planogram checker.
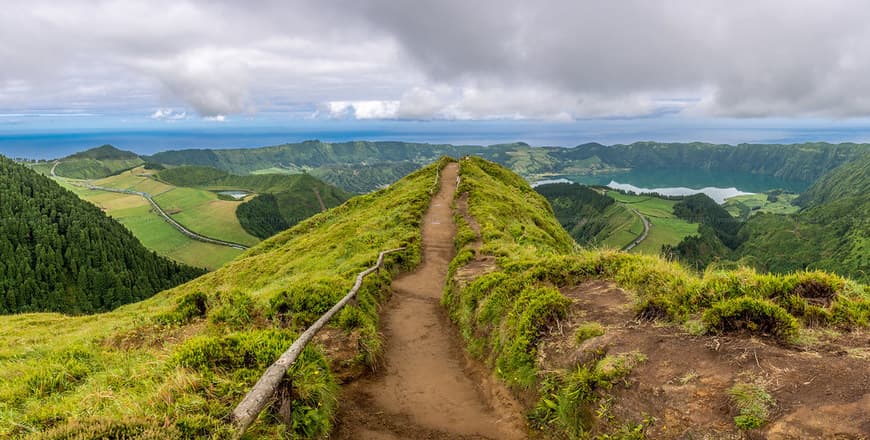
(648, 67)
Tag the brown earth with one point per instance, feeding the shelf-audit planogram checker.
(822, 390)
(428, 388)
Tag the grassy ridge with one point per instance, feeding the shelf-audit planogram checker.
(173, 366)
(503, 314)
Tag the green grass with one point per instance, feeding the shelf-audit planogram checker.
(156, 234)
(743, 206)
(753, 404)
(493, 311)
(174, 369)
(670, 231)
(201, 211)
(665, 228)
(627, 227)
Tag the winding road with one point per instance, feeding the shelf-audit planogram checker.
(643, 234)
(161, 212)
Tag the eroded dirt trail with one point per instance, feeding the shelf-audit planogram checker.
(427, 388)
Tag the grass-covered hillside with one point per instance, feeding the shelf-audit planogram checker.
(504, 312)
(591, 217)
(97, 162)
(173, 366)
(59, 253)
(831, 232)
(282, 200)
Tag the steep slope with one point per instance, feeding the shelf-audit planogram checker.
(174, 365)
(831, 233)
(590, 336)
(97, 163)
(592, 218)
(283, 200)
(849, 180)
(60, 253)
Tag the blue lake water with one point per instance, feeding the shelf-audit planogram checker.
(717, 185)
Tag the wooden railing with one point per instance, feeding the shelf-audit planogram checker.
(264, 390)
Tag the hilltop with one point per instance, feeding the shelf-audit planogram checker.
(97, 162)
(580, 337)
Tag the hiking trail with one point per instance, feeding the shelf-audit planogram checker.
(427, 388)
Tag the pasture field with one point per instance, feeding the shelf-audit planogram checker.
(665, 227)
(744, 206)
(201, 211)
(627, 227)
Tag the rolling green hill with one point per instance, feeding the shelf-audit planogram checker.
(283, 200)
(60, 253)
(831, 233)
(363, 166)
(97, 162)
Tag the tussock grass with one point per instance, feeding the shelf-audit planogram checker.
(502, 314)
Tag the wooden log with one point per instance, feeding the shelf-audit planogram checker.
(247, 411)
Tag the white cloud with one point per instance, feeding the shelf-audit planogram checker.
(363, 109)
(215, 118)
(444, 59)
(168, 114)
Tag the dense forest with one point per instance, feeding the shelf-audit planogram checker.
(60, 253)
(282, 201)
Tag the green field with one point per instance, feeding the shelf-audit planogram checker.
(744, 206)
(201, 212)
(629, 226)
(665, 228)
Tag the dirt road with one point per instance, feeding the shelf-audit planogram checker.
(427, 388)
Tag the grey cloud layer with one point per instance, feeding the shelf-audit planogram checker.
(442, 59)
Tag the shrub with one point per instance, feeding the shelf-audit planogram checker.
(751, 314)
(753, 405)
(235, 309)
(190, 306)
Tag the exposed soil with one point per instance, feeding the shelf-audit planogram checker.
(428, 388)
(821, 392)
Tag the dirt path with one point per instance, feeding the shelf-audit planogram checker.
(820, 392)
(427, 388)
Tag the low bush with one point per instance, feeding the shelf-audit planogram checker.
(752, 403)
(754, 315)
